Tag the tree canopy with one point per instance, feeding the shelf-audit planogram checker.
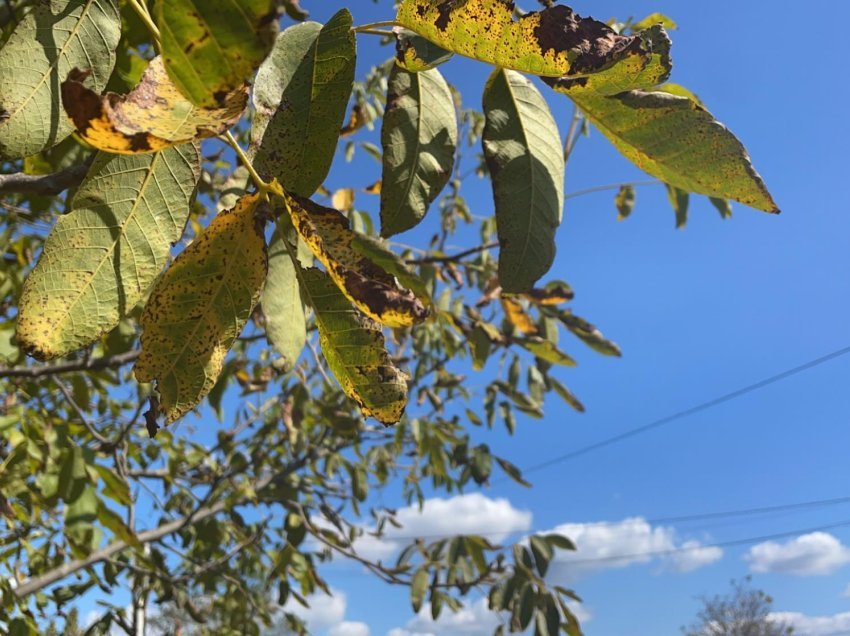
(170, 248)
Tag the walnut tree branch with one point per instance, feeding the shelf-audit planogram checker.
(94, 364)
(46, 184)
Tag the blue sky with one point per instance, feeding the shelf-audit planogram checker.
(698, 312)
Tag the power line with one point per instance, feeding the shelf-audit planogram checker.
(728, 397)
(744, 512)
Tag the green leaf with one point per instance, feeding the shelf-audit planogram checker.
(723, 206)
(522, 146)
(679, 200)
(480, 346)
(625, 202)
(200, 305)
(559, 541)
(553, 42)
(419, 138)
(373, 290)
(213, 48)
(418, 588)
(353, 346)
(301, 95)
(589, 334)
(102, 257)
(283, 304)
(542, 552)
(546, 350)
(567, 395)
(51, 40)
(114, 487)
(676, 140)
(655, 18)
(116, 524)
(151, 117)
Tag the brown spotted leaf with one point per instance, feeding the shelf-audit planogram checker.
(369, 286)
(200, 305)
(212, 48)
(553, 42)
(153, 116)
(354, 347)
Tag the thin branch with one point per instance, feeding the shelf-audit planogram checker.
(610, 186)
(95, 364)
(45, 184)
(79, 412)
(454, 258)
(246, 161)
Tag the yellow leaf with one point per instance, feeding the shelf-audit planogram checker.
(370, 287)
(518, 317)
(153, 116)
(343, 199)
(375, 188)
(200, 305)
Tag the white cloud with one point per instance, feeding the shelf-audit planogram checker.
(325, 612)
(602, 546)
(846, 593)
(815, 554)
(464, 514)
(349, 628)
(814, 625)
(475, 619)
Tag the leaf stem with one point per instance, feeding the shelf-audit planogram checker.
(381, 32)
(141, 9)
(258, 180)
(371, 26)
(610, 186)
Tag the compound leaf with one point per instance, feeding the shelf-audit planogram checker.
(369, 286)
(213, 48)
(102, 257)
(353, 345)
(522, 146)
(419, 138)
(200, 305)
(300, 97)
(53, 38)
(153, 116)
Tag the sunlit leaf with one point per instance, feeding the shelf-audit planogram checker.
(200, 305)
(102, 257)
(53, 38)
(419, 137)
(518, 317)
(554, 42)
(415, 53)
(353, 345)
(655, 18)
(370, 287)
(153, 116)
(212, 48)
(546, 350)
(523, 149)
(283, 304)
(300, 97)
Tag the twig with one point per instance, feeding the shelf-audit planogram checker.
(454, 258)
(45, 184)
(365, 28)
(610, 186)
(246, 161)
(79, 412)
(95, 364)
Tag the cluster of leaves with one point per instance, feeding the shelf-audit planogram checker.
(303, 457)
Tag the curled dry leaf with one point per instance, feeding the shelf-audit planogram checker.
(370, 287)
(153, 116)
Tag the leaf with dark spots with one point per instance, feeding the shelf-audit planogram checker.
(212, 48)
(354, 347)
(153, 116)
(553, 42)
(200, 305)
(369, 286)
(415, 53)
(553, 293)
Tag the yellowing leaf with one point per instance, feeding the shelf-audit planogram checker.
(49, 41)
(200, 305)
(553, 42)
(625, 201)
(153, 116)
(353, 345)
(553, 293)
(546, 350)
(343, 199)
(372, 290)
(415, 54)
(518, 317)
(212, 48)
(102, 256)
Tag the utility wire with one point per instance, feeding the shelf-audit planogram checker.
(728, 397)
(744, 512)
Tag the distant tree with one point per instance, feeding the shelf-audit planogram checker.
(742, 612)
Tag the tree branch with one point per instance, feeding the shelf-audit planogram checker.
(455, 258)
(95, 364)
(46, 184)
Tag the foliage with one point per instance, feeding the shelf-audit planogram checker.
(131, 235)
(742, 612)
